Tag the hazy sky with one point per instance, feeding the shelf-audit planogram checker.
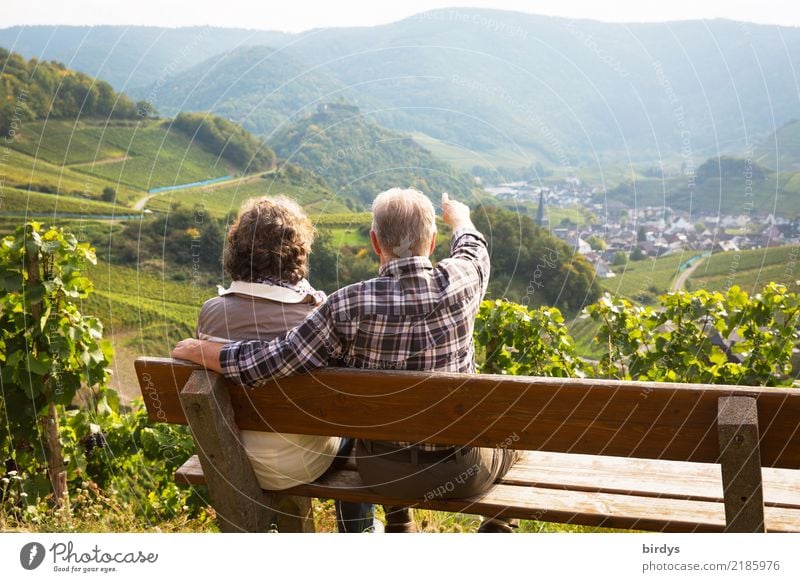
(298, 15)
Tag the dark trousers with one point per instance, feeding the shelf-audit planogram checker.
(351, 517)
(469, 471)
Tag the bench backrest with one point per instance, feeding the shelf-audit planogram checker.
(601, 417)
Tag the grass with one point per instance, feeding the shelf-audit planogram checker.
(63, 142)
(554, 214)
(645, 279)
(93, 511)
(348, 237)
(31, 203)
(460, 157)
(21, 171)
(343, 219)
(156, 155)
(226, 198)
(58, 158)
(583, 330)
(750, 269)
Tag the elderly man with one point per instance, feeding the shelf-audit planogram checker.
(413, 316)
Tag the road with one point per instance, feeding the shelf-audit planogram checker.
(140, 204)
(679, 282)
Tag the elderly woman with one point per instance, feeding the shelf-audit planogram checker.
(266, 258)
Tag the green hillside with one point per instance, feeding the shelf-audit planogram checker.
(140, 155)
(780, 151)
(719, 185)
(62, 167)
(642, 281)
(257, 86)
(359, 158)
(750, 270)
(80, 149)
(220, 200)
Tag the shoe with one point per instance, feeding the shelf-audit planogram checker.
(498, 525)
(399, 520)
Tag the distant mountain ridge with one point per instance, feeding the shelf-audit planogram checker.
(258, 87)
(528, 89)
(130, 57)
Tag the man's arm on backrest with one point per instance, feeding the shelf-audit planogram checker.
(309, 346)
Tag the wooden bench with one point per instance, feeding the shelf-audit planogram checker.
(632, 455)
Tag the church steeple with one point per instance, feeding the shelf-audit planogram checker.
(541, 221)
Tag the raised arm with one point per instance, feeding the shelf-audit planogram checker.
(468, 246)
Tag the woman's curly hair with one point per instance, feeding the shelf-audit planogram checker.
(271, 237)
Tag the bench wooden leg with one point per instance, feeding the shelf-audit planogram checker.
(737, 426)
(240, 503)
(295, 514)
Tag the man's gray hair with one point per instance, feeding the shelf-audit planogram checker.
(404, 221)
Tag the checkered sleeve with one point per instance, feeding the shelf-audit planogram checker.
(470, 245)
(307, 347)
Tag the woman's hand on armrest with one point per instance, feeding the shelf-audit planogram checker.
(200, 352)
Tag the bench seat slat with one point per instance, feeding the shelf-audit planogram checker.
(672, 479)
(577, 507)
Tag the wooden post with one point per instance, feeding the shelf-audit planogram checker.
(56, 468)
(240, 503)
(737, 427)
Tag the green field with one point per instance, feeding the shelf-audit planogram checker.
(21, 202)
(750, 270)
(160, 305)
(61, 167)
(220, 200)
(24, 172)
(347, 237)
(68, 142)
(149, 154)
(644, 280)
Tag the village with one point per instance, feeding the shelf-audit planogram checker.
(616, 233)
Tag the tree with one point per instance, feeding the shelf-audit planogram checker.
(529, 264)
(638, 254)
(146, 109)
(620, 258)
(227, 140)
(48, 349)
(109, 194)
(641, 235)
(597, 243)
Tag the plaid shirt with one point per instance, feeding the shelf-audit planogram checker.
(413, 316)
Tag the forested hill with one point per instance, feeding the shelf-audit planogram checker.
(357, 157)
(780, 151)
(73, 145)
(36, 89)
(258, 87)
(33, 90)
